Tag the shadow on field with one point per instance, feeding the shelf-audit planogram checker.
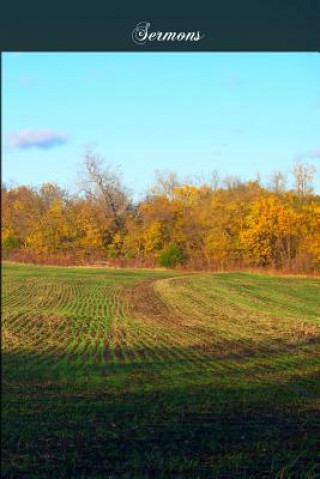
(155, 420)
(220, 349)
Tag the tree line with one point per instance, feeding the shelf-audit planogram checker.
(209, 224)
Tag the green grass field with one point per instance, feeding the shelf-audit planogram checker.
(123, 373)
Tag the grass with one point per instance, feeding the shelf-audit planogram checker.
(120, 373)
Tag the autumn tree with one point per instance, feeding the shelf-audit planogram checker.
(204, 224)
(270, 232)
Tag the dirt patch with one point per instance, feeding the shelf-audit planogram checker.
(143, 302)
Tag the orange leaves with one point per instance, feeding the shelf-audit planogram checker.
(186, 195)
(245, 224)
(270, 228)
(154, 238)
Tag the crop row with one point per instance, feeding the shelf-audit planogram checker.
(88, 321)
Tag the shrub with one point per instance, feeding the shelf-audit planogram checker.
(171, 256)
(10, 243)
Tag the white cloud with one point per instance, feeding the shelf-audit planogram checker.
(43, 139)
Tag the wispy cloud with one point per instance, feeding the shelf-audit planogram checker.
(43, 139)
(309, 154)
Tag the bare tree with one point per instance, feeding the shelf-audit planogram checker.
(215, 180)
(278, 182)
(231, 182)
(303, 175)
(165, 183)
(103, 185)
(48, 192)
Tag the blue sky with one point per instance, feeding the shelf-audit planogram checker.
(240, 113)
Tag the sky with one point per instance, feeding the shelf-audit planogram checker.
(193, 113)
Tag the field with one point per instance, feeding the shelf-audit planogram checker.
(123, 373)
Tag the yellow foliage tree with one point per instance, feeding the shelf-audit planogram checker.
(154, 238)
(270, 232)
